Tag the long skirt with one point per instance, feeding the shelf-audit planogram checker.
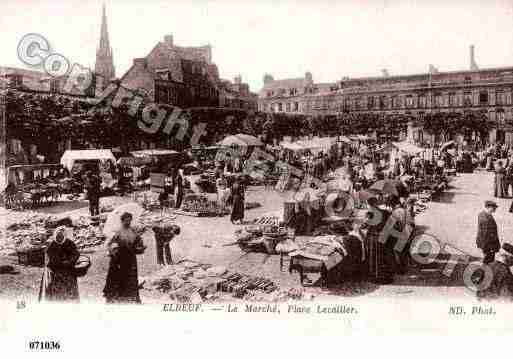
(380, 260)
(499, 186)
(59, 286)
(122, 283)
(238, 209)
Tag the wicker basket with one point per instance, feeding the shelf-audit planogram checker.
(82, 266)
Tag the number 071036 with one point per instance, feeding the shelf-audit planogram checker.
(44, 345)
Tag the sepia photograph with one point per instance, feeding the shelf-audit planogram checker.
(272, 157)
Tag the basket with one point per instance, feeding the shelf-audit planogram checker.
(82, 266)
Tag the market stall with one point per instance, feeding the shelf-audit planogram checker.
(33, 185)
(70, 157)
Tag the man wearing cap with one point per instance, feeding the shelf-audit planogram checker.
(487, 236)
(501, 285)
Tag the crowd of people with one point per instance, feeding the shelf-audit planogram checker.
(386, 229)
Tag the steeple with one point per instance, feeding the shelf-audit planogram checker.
(104, 66)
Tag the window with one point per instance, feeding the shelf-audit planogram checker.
(347, 104)
(483, 97)
(16, 81)
(287, 107)
(467, 98)
(54, 85)
(500, 98)
(370, 102)
(357, 103)
(438, 100)
(280, 107)
(409, 101)
(452, 99)
(269, 93)
(382, 102)
(296, 106)
(500, 116)
(396, 102)
(422, 101)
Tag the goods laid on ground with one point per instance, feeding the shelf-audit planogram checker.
(189, 281)
(272, 220)
(150, 219)
(199, 205)
(150, 200)
(31, 231)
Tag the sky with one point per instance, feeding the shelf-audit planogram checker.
(331, 39)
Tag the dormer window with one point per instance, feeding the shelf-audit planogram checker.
(15, 80)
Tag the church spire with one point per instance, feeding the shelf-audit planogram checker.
(104, 66)
(104, 39)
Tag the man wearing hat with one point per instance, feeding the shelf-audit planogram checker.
(487, 236)
(501, 285)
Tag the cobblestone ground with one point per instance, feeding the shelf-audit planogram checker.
(452, 219)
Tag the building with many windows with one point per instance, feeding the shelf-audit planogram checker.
(489, 90)
(290, 95)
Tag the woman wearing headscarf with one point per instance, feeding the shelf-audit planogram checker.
(122, 283)
(59, 281)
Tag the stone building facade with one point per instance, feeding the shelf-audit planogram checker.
(489, 90)
(237, 94)
(38, 81)
(290, 95)
(179, 76)
(186, 77)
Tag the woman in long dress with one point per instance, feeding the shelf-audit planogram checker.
(499, 182)
(59, 281)
(237, 196)
(380, 268)
(122, 284)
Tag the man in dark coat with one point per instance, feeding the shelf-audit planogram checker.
(487, 236)
(93, 193)
(501, 285)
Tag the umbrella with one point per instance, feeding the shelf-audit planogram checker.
(393, 187)
(113, 222)
(240, 140)
(447, 144)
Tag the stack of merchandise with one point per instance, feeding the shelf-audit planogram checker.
(150, 219)
(189, 281)
(150, 200)
(262, 236)
(199, 205)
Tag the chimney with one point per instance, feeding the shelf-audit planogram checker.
(385, 73)
(168, 39)
(432, 69)
(473, 65)
(309, 77)
(268, 78)
(140, 62)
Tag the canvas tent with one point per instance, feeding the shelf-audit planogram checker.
(242, 140)
(407, 147)
(69, 157)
